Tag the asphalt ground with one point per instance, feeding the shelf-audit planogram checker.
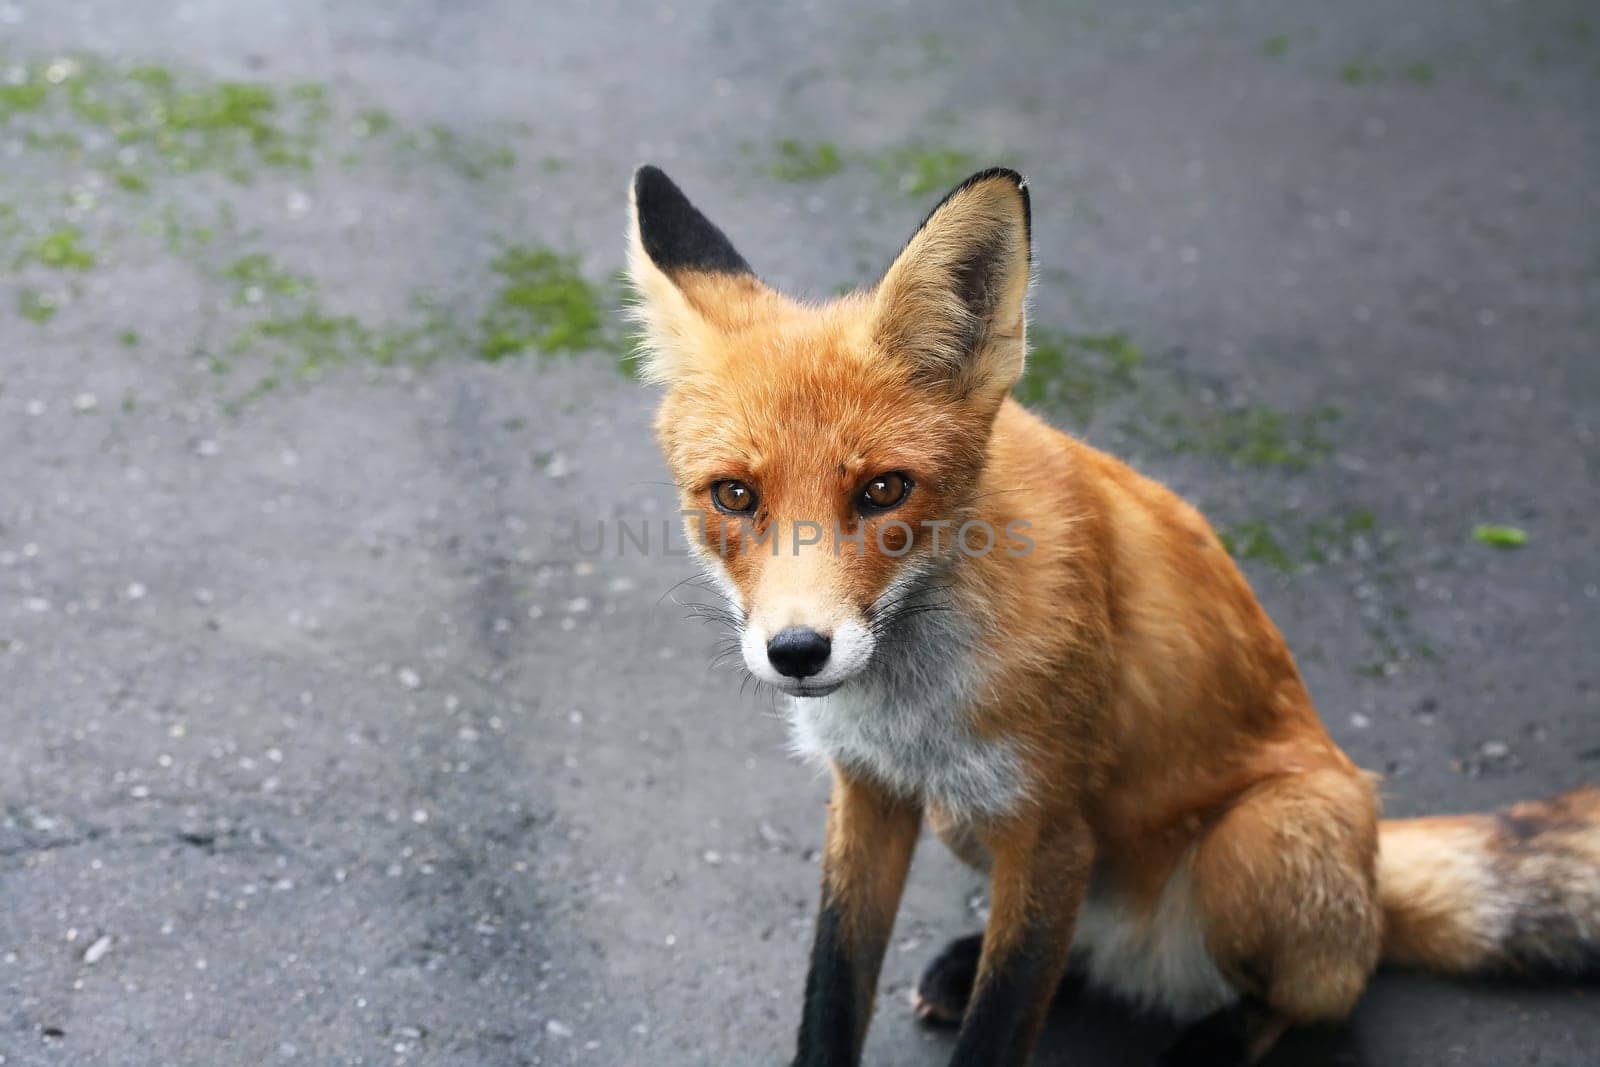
(326, 738)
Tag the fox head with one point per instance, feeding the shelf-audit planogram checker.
(827, 454)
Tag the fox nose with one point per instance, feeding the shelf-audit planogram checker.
(798, 651)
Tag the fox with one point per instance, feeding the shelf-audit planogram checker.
(1087, 703)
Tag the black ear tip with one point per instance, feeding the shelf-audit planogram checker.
(674, 232)
(1012, 176)
(1005, 173)
(992, 174)
(652, 187)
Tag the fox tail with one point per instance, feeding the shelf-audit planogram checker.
(1515, 892)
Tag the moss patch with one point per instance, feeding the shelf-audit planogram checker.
(1359, 72)
(1418, 73)
(1293, 542)
(61, 249)
(800, 162)
(153, 114)
(1255, 540)
(1078, 372)
(1257, 436)
(256, 278)
(473, 156)
(153, 141)
(921, 169)
(544, 305)
(36, 306)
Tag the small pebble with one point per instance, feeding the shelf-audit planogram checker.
(97, 951)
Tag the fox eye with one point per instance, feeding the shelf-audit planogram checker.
(884, 492)
(736, 498)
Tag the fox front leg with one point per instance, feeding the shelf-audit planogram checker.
(870, 838)
(1040, 875)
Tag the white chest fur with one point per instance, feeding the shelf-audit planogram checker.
(1157, 960)
(906, 721)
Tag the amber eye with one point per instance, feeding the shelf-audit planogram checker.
(733, 497)
(884, 492)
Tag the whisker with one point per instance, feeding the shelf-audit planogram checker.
(696, 609)
(884, 625)
(675, 586)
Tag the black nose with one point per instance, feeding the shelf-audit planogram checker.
(798, 651)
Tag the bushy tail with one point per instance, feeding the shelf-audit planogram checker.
(1513, 892)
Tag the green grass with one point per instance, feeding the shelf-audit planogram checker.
(799, 162)
(1276, 45)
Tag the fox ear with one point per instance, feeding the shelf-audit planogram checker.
(953, 303)
(685, 272)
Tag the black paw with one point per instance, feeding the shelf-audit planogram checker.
(946, 984)
(1221, 1039)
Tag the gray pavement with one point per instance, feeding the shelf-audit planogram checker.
(324, 740)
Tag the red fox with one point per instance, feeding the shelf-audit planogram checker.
(986, 624)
